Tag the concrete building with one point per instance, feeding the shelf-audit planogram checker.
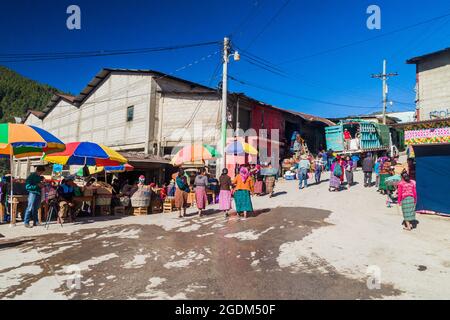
(148, 115)
(432, 85)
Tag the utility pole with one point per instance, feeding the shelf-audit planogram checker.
(384, 76)
(226, 49)
(237, 114)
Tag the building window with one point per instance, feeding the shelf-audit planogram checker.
(130, 113)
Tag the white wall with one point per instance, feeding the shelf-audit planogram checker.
(103, 114)
(434, 87)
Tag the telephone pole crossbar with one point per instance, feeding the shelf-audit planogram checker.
(384, 76)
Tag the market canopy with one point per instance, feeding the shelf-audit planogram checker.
(194, 153)
(21, 140)
(87, 153)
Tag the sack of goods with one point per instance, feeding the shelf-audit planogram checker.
(141, 198)
(103, 188)
(103, 200)
(289, 175)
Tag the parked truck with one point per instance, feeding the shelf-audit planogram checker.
(366, 136)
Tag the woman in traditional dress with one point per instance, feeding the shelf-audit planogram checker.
(349, 171)
(243, 190)
(407, 199)
(225, 192)
(200, 184)
(335, 173)
(385, 172)
(259, 180)
(341, 161)
(181, 193)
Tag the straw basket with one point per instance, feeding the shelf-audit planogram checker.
(137, 202)
(141, 198)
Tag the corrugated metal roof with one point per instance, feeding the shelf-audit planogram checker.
(426, 56)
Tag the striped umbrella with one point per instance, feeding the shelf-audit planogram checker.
(194, 153)
(87, 153)
(21, 140)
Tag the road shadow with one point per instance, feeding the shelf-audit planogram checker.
(279, 193)
(14, 244)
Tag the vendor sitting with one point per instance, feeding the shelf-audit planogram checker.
(66, 192)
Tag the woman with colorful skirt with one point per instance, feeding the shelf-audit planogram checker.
(243, 190)
(181, 193)
(385, 172)
(259, 180)
(200, 184)
(407, 199)
(335, 174)
(225, 192)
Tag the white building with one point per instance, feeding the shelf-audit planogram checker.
(142, 113)
(432, 85)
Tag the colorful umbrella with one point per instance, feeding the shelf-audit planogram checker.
(239, 148)
(92, 170)
(87, 153)
(21, 140)
(194, 153)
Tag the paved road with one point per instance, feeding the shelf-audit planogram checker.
(311, 244)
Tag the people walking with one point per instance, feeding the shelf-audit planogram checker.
(336, 171)
(349, 171)
(33, 186)
(386, 170)
(325, 160)
(318, 167)
(225, 192)
(200, 184)
(407, 199)
(259, 180)
(243, 190)
(181, 193)
(303, 169)
(367, 167)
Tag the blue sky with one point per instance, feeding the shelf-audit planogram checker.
(301, 29)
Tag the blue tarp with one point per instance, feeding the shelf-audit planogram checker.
(433, 178)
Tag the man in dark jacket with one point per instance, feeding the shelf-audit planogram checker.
(367, 167)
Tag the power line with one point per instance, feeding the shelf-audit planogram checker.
(247, 83)
(364, 40)
(17, 57)
(246, 19)
(269, 23)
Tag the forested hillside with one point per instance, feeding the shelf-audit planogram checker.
(18, 94)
